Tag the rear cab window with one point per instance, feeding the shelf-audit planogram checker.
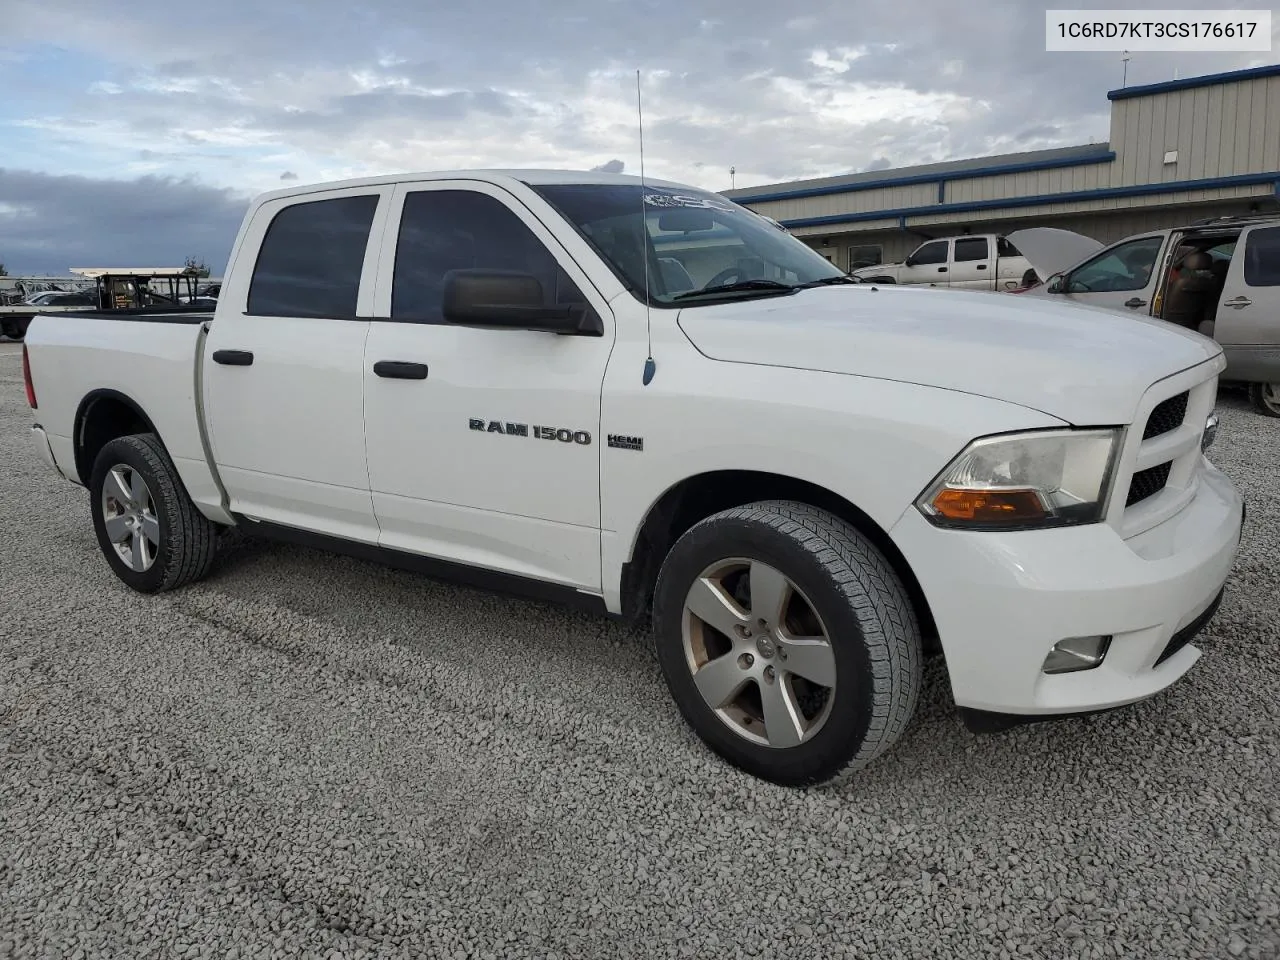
(311, 259)
(969, 249)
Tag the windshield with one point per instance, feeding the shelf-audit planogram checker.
(695, 241)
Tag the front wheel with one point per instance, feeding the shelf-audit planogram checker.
(151, 533)
(1265, 398)
(787, 641)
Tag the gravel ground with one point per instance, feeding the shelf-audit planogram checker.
(307, 755)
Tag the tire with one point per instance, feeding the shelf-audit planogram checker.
(1265, 398)
(14, 331)
(838, 583)
(185, 541)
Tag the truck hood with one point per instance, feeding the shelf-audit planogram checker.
(1083, 365)
(1050, 250)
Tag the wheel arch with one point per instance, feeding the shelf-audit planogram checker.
(102, 416)
(695, 498)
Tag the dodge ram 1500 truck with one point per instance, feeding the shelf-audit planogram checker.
(645, 398)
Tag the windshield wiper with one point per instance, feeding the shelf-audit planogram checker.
(827, 281)
(741, 285)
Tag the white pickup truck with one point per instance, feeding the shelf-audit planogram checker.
(981, 261)
(647, 399)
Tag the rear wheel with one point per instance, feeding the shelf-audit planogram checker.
(151, 533)
(1266, 398)
(787, 641)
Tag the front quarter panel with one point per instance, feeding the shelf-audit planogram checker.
(877, 443)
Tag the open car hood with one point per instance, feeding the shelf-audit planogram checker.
(1050, 250)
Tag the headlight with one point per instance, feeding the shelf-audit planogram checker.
(1016, 481)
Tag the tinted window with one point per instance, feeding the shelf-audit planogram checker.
(1126, 267)
(974, 249)
(443, 230)
(868, 255)
(1262, 258)
(311, 258)
(935, 252)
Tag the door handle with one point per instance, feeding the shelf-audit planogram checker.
(1134, 302)
(233, 358)
(400, 370)
(982, 266)
(942, 269)
(1238, 302)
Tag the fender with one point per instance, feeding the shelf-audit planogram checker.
(82, 417)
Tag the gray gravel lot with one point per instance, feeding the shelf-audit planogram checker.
(309, 755)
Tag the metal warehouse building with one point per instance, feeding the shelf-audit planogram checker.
(1200, 147)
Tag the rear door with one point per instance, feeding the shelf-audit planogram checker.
(927, 264)
(1121, 277)
(1247, 323)
(491, 456)
(284, 364)
(972, 264)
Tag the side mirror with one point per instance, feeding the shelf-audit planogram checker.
(512, 300)
(1056, 283)
(910, 261)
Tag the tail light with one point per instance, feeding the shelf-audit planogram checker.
(26, 378)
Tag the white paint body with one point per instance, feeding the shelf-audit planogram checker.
(868, 393)
(989, 272)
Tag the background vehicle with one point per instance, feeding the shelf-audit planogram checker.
(1219, 277)
(108, 288)
(979, 262)
(495, 377)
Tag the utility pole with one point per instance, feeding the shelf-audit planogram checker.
(1124, 81)
(732, 178)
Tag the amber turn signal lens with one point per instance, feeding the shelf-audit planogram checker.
(989, 506)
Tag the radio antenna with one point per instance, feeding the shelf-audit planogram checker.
(649, 366)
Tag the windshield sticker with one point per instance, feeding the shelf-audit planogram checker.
(684, 200)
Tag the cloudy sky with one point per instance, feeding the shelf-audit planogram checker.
(132, 132)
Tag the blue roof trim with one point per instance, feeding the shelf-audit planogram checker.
(1101, 193)
(1103, 156)
(1190, 83)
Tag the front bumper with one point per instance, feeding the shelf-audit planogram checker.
(1002, 600)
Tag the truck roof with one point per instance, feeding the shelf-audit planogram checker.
(500, 177)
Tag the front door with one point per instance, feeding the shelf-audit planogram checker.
(1122, 276)
(492, 456)
(283, 367)
(927, 264)
(1247, 323)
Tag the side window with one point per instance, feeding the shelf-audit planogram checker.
(974, 248)
(311, 257)
(1006, 249)
(443, 230)
(933, 252)
(1262, 258)
(867, 255)
(1125, 267)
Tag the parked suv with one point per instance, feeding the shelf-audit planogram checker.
(1220, 277)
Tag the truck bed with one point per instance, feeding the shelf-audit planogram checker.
(78, 360)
